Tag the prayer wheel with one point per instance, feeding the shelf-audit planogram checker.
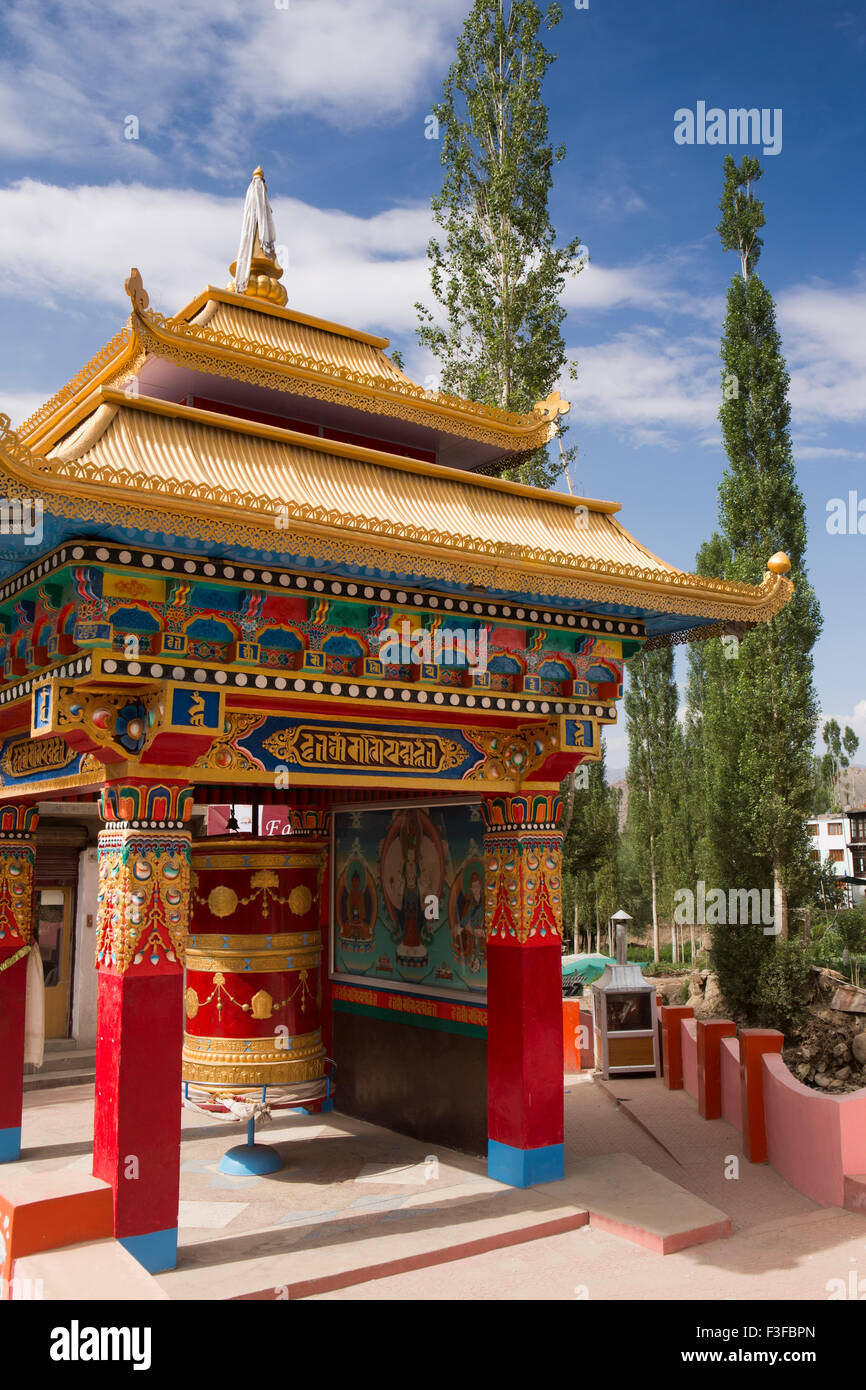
(254, 964)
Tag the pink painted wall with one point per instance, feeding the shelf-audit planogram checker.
(813, 1140)
(730, 1059)
(689, 1028)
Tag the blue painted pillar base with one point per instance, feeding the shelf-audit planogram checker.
(525, 1167)
(157, 1250)
(10, 1145)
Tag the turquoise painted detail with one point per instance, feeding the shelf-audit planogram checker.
(525, 1167)
(157, 1250)
(10, 1145)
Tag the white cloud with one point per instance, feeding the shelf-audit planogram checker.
(824, 335)
(648, 386)
(201, 74)
(818, 451)
(80, 243)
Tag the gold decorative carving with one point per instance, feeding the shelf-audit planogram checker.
(282, 859)
(191, 1003)
(263, 962)
(311, 746)
(513, 752)
(224, 753)
(300, 900)
(245, 944)
(262, 1004)
(30, 755)
(222, 900)
(233, 1049)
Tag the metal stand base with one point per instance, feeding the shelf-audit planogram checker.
(250, 1161)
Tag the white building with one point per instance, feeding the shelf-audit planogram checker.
(839, 839)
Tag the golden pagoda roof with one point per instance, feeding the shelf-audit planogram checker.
(292, 334)
(251, 339)
(155, 465)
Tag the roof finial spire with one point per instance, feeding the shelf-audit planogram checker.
(256, 270)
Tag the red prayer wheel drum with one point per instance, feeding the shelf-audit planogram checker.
(254, 964)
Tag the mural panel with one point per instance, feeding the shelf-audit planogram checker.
(408, 899)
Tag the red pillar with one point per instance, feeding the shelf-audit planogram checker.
(672, 1044)
(143, 909)
(710, 1034)
(754, 1042)
(523, 907)
(17, 858)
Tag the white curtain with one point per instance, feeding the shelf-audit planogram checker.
(34, 1009)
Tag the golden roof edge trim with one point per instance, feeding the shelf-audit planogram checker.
(578, 576)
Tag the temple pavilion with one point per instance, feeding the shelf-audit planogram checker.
(248, 563)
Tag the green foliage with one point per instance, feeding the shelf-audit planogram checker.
(739, 953)
(752, 705)
(848, 932)
(497, 273)
(589, 856)
(742, 213)
(658, 830)
(783, 987)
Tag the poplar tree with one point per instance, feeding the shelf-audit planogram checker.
(589, 854)
(760, 710)
(496, 271)
(651, 709)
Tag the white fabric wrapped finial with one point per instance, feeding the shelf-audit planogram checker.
(258, 217)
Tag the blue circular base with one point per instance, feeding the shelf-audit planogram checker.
(250, 1161)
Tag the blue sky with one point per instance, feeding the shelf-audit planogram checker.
(330, 96)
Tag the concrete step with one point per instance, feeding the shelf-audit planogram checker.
(629, 1199)
(855, 1192)
(70, 1059)
(427, 1230)
(60, 1045)
(97, 1270)
(46, 1078)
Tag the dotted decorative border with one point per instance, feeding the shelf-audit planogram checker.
(457, 699)
(77, 666)
(120, 825)
(282, 581)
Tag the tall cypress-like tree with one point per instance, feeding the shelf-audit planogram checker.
(762, 705)
(651, 709)
(589, 855)
(497, 273)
